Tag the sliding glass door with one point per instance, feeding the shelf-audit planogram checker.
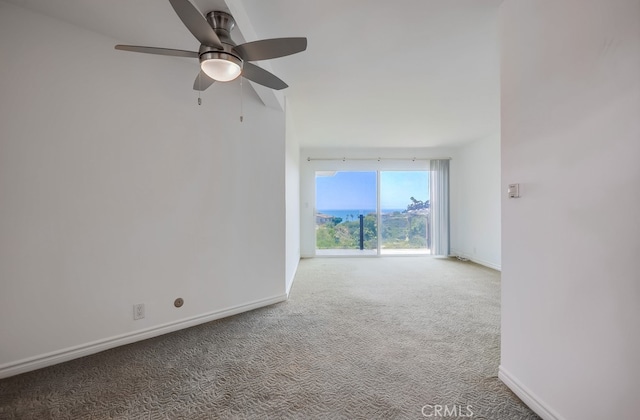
(404, 214)
(346, 213)
(372, 212)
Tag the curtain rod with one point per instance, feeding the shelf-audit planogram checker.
(344, 159)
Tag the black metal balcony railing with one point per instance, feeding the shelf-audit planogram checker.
(399, 230)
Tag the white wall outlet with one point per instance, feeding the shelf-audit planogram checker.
(138, 311)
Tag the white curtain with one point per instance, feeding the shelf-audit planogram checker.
(439, 204)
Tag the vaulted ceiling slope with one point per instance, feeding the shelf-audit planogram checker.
(407, 73)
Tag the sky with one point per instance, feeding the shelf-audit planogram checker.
(397, 188)
(357, 190)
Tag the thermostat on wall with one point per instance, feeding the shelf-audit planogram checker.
(514, 190)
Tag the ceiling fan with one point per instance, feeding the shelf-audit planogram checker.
(220, 58)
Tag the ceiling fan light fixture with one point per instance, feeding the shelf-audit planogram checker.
(221, 66)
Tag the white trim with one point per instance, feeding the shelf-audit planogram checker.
(529, 398)
(456, 253)
(486, 264)
(292, 279)
(70, 353)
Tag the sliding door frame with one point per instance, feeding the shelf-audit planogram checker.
(308, 200)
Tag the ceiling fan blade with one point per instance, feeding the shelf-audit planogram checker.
(196, 23)
(270, 48)
(202, 81)
(159, 51)
(262, 77)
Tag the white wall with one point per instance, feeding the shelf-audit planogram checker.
(292, 179)
(309, 168)
(477, 231)
(570, 266)
(117, 189)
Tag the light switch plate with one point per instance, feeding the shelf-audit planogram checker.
(514, 191)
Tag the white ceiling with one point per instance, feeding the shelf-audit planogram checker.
(407, 73)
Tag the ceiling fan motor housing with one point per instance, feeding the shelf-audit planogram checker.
(222, 23)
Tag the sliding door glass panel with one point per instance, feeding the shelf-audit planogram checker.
(404, 215)
(346, 213)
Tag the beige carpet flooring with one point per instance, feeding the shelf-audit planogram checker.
(368, 338)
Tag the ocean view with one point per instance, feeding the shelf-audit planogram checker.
(353, 214)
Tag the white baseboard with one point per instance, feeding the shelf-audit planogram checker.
(64, 355)
(289, 286)
(293, 277)
(486, 264)
(489, 264)
(528, 397)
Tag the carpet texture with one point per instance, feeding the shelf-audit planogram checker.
(369, 338)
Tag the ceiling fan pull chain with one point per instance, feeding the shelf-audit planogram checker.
(241, 103)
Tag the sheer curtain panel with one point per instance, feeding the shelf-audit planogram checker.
(439, 196)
